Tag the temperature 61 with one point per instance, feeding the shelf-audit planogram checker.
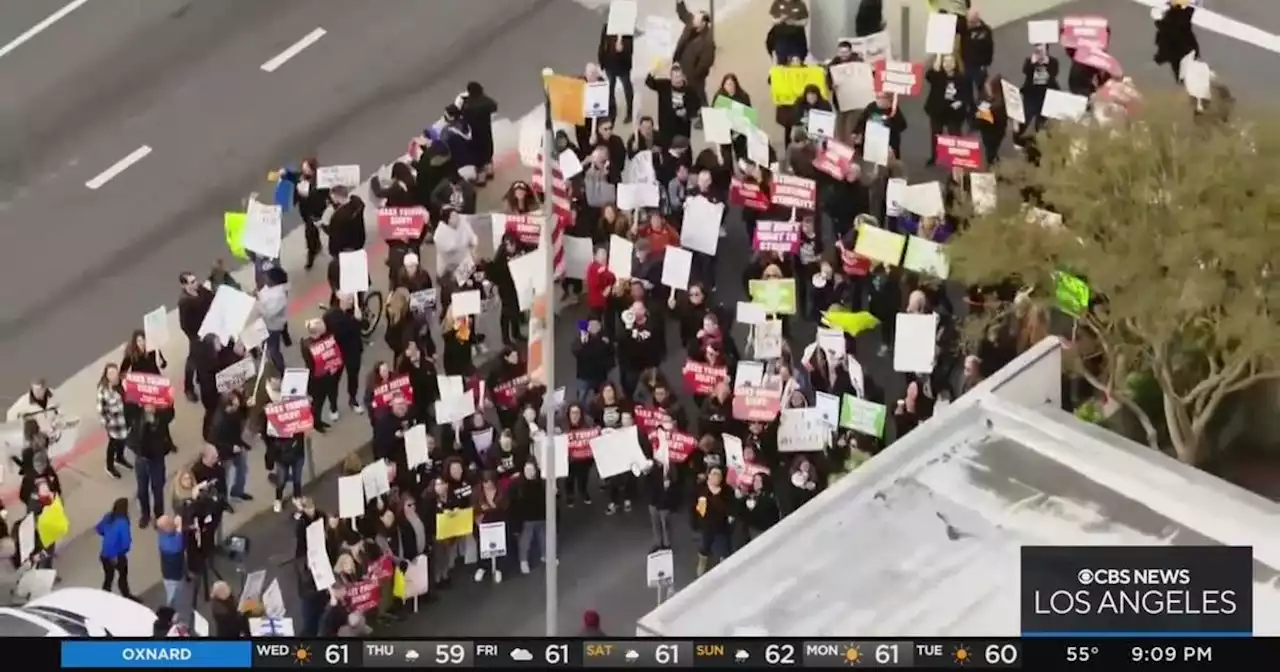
(1081, 654)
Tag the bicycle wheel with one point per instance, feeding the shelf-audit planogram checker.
(370, 313)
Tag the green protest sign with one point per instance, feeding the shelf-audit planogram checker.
(1072, 293)
(860, 415)
(741, 117)
(778, 297)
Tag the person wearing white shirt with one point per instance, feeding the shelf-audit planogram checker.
(455, 242)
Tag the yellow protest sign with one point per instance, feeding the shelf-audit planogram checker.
(454, 523)
(568, 97)
(233, 224)
(880, 245)
(52, 523)
(787, 82)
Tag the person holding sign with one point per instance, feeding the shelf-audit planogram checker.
(193, 305)
(695, 52)
(111, 410)
(1175, 37)
(811, 99)
(715, 509)
(978, 49)
(991, 118)
(491, 507)
(616, 55)
(1039, 73)
(949, 102)
(310, 200)
(323, 358)
(884, 111)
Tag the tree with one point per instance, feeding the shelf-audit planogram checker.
(1173, 220)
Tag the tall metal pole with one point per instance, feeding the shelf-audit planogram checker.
(549, 474)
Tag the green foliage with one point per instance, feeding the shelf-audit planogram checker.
(1174, 222)
(1090, 411)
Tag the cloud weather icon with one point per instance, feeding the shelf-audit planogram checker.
(521, 655)
(411, 655)
(632, 656)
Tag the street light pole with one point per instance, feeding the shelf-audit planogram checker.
(549, 475)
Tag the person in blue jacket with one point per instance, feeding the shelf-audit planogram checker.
(116, 542)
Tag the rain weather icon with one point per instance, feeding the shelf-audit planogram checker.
(632, 656)
(410, 655)
(741, 656)
(521, 655)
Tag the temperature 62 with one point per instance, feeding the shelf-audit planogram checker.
(1081, 654)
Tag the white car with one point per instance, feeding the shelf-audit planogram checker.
(83, 612)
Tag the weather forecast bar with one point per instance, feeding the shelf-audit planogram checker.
(1033, 653)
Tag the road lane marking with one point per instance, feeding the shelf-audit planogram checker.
(119, 167)
(1227, 26)
(41, 27)
(284, 56)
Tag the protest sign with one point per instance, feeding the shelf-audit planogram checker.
(790, 191)
(353, 272)
(401, 223)
(751, 313)
(636, 196)
(155, 328)
(651, 418)
(925, 256)
(788, 82)
(701, 228)
(982, 188)
(828, 406)
(1085, 31)
(701, 378)
(328, 177)
(802, 430)
(235, 376)
(363, 595)
(350, 496)
(860, 415)
(454, 523)
(376, 479)
(1045, 31)
(766, 340)
(855, 84)
(567, 95)
(835, 159)
(622, 18)
(261, 233)
(676, 264)
(621, 253)
(395, 387)
(940, 34)
(880, 245)
(899, 78)
(326, 357)
(289, 418)
(747, 195)
(617, 452)
(758, 403)
(820, 123)
(578, 443)
(780, 237)
(493, 540)
(960, 151)
(596, 101)
(678, 445)
(717, 129)
(742, 118)
(872, 48)
(1013, 101)
(914, 342)
(777, 296)
(228, 314)
(148, 389)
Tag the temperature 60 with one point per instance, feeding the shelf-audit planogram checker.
(1081, 654)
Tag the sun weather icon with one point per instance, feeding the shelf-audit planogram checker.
(961, 654)
(852, 655)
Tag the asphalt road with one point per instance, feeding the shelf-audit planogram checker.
(81, 266)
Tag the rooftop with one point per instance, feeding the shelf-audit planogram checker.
(924, 539)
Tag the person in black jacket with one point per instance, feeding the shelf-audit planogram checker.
(193, 305)
(760, 509)
(228, 621)
(882, 110)
(949, 101)
(616, 57)
(323, 383)
(527, 505)
(662, 486)
(639, 344)
(679, 102)
(150, 441)
(595, 357)
(346, 224)
(478, 109)
(388, 436)
(311, 202)
(1175, 37)
(510, 317)
(341, 321)
(978, 49)
(226, 433)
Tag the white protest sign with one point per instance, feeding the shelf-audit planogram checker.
(376, 479)
(639, 170)
(1046, 31)
(270, 626)
(417, 578)
(493, 540)
(802, 430)
(351, 496)
(155, 328)
(466, 303)
(701, 228)
(639, 195)
(821, 123)
(856, 376)
(894, 191)
(235, 376)
(261, 233)
(676, 264)
(914, 342)
(982, 188)
(875, 143)
(316, 539)
(353, 272)
(621, 253)
(617, 452)
(450, 386)
(751, 313)
(273, 600)
(294, 383)
(227, 314)
(733, 455)
(622, 18)
(1013, 102)
(321, 571)
(828, 406)
(415, 446)
(923, 199)
(595, 104)
(940, 34)
(328, 177)
(251, 591)
(832, 341)
(570, 165)
(758, 146)
(748, 374)
(1063, 106)
(925, 256)
(529, 274)
(873, 47)
(660, 568)
(1197, 78)
(716, 127)
(27, 536)
(766, 342)
(255, 333)
(578, 252)
(855, 84)
(559, 448)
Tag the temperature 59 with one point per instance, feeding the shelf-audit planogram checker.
(1081, 654)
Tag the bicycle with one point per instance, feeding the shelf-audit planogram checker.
(371, 310)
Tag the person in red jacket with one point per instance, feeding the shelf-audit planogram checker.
(600, 282)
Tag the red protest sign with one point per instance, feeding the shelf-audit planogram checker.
(363, 595)
(758, 403)
(288, 418)
(747, 195)
(780, 237)
(854, 264)
(401, 223)
(399, 386)
(960, 151)
(579, 441)
(835, 159)
(899, 77)
(748, 474)
(702, 378)
(506, 394)
(650, 418)
(326, 356)
(381, 570)
(680, 446)
(790, 191)
(527, 228)
(148, 389)
(1085, 31)
(1099, 60)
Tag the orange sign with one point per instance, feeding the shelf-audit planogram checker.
(568, 97)
(537, 332)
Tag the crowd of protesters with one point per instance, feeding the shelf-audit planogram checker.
(709, 459)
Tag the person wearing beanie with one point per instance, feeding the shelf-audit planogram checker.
(591, 624)
(478, 109)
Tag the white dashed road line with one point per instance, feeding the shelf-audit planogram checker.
(41, 27)
(284, 56)
(119, 167)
